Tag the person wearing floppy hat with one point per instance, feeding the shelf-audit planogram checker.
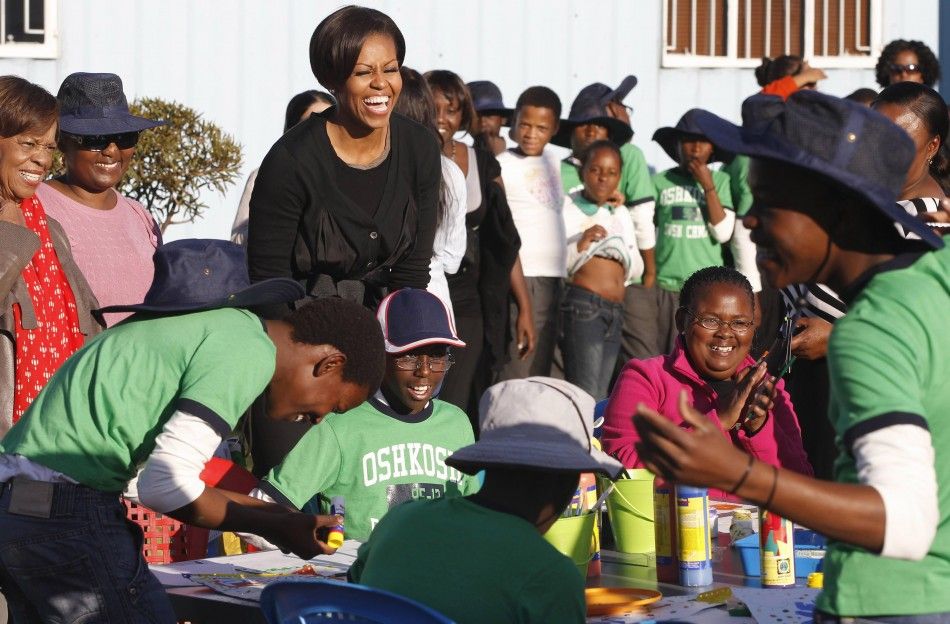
(392, 448)
(825, 173)
(694, 217)
(484, 559)
(112, 236)
(154, 396)
(491, 114)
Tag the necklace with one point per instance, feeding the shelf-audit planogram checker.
(454, 154)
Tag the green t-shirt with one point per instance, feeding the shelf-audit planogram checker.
(97, 419)
(634, 176)
(889, 362)
(683, 241)
(738, 171)
(375, 461)
(471, 564)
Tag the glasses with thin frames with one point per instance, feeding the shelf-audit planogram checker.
(415, 362)
(739, 326)
(910, 68)
(99, 142)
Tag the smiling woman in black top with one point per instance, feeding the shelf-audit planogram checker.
(346, 201)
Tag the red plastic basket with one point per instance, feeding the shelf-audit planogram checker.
(166, 539)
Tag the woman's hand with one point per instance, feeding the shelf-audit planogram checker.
(701, 174)
(808, 76)
(525, 333)
(591, 235)
(11, 213)
(746, 399)
(698, 455)
(811, 342)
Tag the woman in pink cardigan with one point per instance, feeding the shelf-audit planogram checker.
(711, 363)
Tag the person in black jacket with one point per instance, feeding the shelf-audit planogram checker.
(346, 201)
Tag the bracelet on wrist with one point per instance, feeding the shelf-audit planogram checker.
(768, 501)
(745, 475)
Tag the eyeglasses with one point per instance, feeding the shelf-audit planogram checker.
(910, 68)
(99, 142)
(739, 326)
(415, 362)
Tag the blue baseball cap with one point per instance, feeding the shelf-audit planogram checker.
(412, 318)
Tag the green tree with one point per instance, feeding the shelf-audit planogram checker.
(174, 163)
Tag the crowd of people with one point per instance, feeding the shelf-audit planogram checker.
(761, 319)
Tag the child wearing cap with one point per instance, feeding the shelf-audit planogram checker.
(491, 114)
(391, 448)
(694, 217)
(481, 558)
(155, 395)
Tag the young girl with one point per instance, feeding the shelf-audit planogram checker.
(602, 258)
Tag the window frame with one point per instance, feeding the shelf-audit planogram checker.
(732, 59)
(49, 49)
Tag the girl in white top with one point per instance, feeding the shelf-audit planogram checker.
(602, 259)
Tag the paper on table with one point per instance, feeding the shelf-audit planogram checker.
(170, 575)
(794, 605)
(669, 607)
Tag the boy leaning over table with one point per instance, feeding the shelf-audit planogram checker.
(158, 392)
(481, 558)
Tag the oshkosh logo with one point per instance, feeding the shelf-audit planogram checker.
(407, 460)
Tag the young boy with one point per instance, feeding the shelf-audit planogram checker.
(160, 390)
(393, 447)
(484, 559)
(532, 180)
(492, 115)
(694, 218)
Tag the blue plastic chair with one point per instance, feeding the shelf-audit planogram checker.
(304, 601)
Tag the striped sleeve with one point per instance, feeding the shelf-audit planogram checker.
(815, 300)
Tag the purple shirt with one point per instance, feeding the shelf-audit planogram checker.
(113, 248)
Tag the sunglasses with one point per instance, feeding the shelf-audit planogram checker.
(99, 142)
(910, 68)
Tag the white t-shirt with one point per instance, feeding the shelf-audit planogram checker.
(448, 248)
(620, 243)
(536, 198)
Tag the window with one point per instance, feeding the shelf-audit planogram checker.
(738, 33)
(28, 29)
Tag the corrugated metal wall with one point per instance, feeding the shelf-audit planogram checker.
(238, 61)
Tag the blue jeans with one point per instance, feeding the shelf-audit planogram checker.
(83, 564)
(591, 329)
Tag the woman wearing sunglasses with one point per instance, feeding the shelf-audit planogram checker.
(907, 61)
(711, 362)
(113, 237)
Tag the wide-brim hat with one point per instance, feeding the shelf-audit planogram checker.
(411, 318)
(487, 100)
(590, 107)
(537, 423)
(94, 104)
(687, 128)
(846, 142)
(205, 274)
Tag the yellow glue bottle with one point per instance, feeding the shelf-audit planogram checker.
(337, 508)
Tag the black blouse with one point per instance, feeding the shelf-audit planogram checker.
(305, 226)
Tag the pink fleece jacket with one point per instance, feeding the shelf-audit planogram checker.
(656, 383)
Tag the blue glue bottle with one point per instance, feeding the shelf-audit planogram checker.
(692, 533)
(337, 508)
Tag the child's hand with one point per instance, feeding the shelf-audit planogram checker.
(617, 199)
(525, 334)
(700, 173)
(299, 534)
(591, 235)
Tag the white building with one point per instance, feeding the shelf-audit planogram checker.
(239, 61)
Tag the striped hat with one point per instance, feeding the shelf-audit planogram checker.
(412, 318)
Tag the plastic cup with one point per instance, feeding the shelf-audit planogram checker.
(630, 506)
(572, 537)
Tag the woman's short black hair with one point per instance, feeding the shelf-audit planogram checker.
(771, 69)
(336, 43)
(606, 144)
(929, 65)
(301, 102)
(351, 329)
(542, 97)
(703, 278)
(452, 87)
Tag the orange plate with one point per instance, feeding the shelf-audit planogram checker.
(617, 600)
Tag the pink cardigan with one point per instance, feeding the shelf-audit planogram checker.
(656, 383)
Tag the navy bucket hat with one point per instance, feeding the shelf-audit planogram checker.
(848, 143)
(94, 104)
(205, 274)
(687, 128)
(486, 98)
(590, 107)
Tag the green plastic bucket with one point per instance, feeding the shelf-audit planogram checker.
(572, 536)
(630, 505)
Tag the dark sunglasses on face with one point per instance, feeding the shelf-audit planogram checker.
(99, 142)
(910, 68)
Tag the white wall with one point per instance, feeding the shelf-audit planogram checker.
(238, 61)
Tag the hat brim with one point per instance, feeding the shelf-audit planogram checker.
(421, 342)
(106, 125)
(502, 112)
(669, 139)
(740, 140)
(520, 452)
(623, 89)
(618, 132)
(270, 291)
